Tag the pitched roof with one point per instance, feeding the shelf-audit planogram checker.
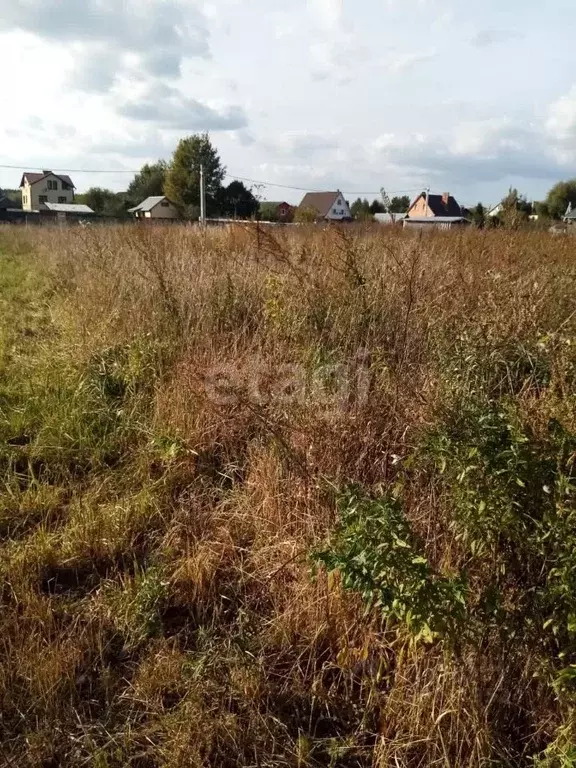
(148, 204)
(5, 202)
(571, 215)
(437, 206)
(320, 201)
(68, 208)
(33, 178)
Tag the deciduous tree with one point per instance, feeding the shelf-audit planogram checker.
(560, 196)
(399, 204)
(182, 184)
(237, 200)
(149, 181)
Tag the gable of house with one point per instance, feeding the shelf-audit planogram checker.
(34, 178)
(434, 205)
(328, 205)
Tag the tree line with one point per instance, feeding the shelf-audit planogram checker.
(179, 180)
(516, 209)
(364, 210)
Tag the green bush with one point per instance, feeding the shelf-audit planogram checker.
(511, 498)
(378, 555)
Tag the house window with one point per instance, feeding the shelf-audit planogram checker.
(43, 199)
(65, 186)
(52, 184)
(62, 200)
(164, 204)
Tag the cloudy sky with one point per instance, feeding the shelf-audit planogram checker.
(356, 94)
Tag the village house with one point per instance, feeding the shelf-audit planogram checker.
(569, 217)
(329, 206)
(156, 207)
(435, 211)
(277, 211)
(46, 187)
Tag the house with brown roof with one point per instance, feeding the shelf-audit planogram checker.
(329, 206)
(45, 187)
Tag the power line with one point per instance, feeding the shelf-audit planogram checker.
(67, 170)
(228, 176)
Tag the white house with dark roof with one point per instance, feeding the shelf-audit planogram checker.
(45, 187)
(156, 207)
(329, 206)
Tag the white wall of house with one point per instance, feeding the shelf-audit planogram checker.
(339, 210)
(49, 190)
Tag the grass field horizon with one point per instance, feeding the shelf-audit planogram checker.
(279, 498)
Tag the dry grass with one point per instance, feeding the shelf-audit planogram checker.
(158, 605)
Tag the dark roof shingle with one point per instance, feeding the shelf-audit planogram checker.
(439, 208)
(32, 178)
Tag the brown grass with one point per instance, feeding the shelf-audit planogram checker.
(158, 606)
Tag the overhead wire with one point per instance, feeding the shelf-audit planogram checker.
(227, 175)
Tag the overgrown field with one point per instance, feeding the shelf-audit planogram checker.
(301, 499)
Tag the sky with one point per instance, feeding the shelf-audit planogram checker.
(468, 98)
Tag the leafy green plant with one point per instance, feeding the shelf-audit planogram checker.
(378, 555)
(511, 496)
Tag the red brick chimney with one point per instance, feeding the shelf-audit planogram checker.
(445, 198)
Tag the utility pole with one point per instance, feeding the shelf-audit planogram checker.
(427, 196)
(202, 197)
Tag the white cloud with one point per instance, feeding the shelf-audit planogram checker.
(167, 107)
(561, 126)
(160, 32)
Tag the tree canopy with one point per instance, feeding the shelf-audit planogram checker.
(105, 202)
(268, 211)
(399, 204)
(360, 209)
(560, 196)
(479, 215)
(13, 195)
(237, 201)
(148, 182)
(306, 215)
(515, 209)
(182, 184)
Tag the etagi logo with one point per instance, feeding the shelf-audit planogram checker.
(260, 382)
